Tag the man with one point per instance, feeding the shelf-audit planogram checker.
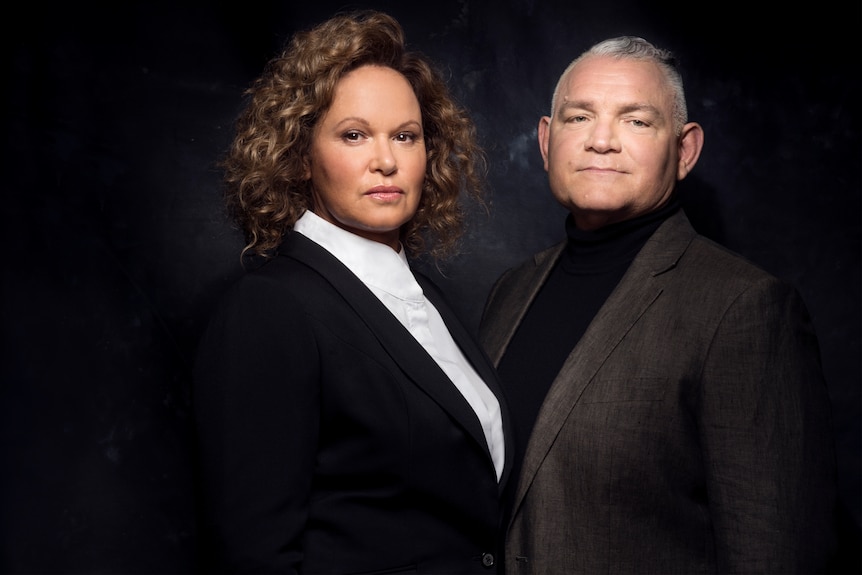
(670, 408)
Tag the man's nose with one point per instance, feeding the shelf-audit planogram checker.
(603, 137)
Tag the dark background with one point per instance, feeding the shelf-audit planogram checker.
(117, 247)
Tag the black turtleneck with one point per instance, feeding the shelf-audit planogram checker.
(582, 279)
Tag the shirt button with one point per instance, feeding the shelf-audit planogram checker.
(488, 559)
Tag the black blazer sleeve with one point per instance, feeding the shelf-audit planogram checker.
(256, 399)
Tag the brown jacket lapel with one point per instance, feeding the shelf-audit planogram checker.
(638, 289)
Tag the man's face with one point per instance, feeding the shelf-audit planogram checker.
(610, 148)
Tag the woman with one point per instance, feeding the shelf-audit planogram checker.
(347, 422)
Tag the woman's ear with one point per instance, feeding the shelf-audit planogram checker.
(306, 168)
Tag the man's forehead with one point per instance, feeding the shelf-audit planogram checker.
(606, 79)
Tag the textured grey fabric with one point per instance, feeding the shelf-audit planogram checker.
(689, 430)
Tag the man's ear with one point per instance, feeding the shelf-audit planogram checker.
(544, 134)
(690, 145)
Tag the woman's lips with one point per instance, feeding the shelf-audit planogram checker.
(385, 193)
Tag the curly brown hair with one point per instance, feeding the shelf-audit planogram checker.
(266, 191)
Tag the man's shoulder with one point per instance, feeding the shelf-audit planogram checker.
(677, 241)
(718, 260)
(544, 257)
(536, 265)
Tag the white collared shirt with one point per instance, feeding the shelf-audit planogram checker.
(387, 274)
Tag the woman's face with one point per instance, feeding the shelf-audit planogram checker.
(367, 158)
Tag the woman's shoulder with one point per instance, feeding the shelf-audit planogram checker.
(278, 278)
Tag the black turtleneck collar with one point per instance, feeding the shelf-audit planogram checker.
(591, 251)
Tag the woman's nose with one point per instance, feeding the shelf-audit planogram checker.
(383, 160)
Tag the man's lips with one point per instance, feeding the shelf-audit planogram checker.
(600, 170)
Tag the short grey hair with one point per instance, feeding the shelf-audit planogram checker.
(634, 48)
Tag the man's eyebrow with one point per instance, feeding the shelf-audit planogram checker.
(573, 104)
(633, 107)
(641, 107)
(625, 109)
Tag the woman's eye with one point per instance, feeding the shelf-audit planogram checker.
(352, 136)
(405, 137)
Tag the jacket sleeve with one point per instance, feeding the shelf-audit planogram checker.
(765, 427)
(256, 410)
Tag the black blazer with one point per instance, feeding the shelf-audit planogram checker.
(329, 440)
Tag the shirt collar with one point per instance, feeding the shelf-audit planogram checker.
(375, 264)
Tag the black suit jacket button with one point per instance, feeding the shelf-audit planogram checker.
(488, 559)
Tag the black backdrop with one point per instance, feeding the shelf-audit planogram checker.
(114, 117)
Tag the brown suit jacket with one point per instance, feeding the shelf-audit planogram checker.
(687, 432)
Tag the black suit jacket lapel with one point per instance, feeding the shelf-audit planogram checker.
(478, 359)
(394, 338)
